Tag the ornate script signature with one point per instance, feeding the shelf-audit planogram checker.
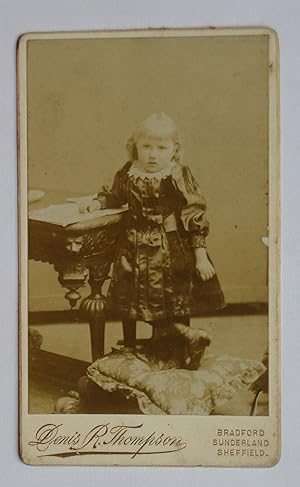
(104, 438)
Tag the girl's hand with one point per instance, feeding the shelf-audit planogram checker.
(203, 267)
(89, 206)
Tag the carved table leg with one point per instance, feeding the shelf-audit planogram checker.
(97, 329)
(129, 333)
(92, 308)
(72, 275)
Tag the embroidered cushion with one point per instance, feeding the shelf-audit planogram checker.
(175, 391)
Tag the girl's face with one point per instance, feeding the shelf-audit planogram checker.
(154, 153)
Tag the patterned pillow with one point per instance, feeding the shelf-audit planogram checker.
(175, 391)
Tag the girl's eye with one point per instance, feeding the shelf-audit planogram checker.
(162, 147)
(146, 146)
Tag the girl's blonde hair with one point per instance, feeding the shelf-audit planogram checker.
(160, 125)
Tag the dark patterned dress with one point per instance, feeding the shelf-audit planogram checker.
(154, 277)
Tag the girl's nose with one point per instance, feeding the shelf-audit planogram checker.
(152, 152)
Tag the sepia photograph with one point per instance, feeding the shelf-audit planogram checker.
(149, 217)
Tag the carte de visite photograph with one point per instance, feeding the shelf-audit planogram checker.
(149, 246)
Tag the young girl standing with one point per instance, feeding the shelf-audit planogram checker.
(162, 245)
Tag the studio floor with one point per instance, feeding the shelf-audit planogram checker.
(241, 336)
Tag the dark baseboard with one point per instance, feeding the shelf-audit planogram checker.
(58, 368)
(74, 316)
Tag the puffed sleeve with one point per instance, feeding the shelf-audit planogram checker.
(116, 196)
(193, 212)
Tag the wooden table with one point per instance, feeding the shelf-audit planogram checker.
(79, 252)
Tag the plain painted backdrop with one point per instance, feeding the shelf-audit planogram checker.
(86, 96)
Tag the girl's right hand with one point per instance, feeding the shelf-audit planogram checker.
(89, 206)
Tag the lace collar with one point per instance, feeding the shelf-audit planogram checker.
(136, 173)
